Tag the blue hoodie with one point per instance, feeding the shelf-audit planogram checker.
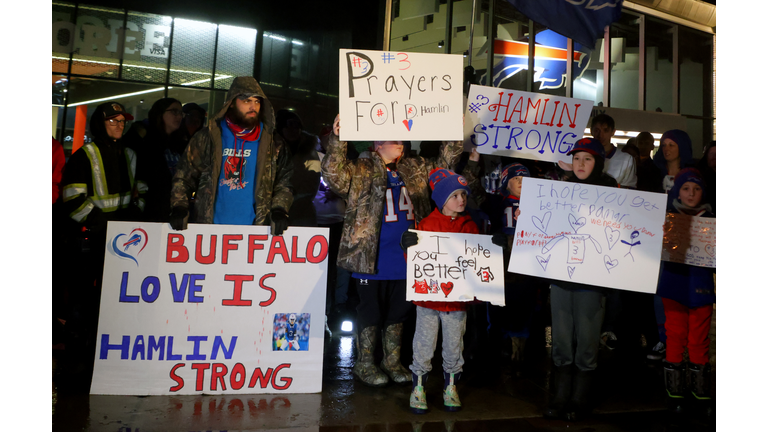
(683, 141)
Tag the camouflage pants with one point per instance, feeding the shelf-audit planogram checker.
(428, 322)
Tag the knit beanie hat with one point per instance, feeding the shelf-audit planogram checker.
(688, 175)
(589, 145)
(510, 171)
(443, 183)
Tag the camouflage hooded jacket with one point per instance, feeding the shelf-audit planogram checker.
(363, 183)
(200, 165)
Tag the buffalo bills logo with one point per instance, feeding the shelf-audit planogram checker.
(550, 61)
(129, 246)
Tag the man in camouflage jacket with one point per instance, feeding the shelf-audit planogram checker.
(199, 169)
(363, 183)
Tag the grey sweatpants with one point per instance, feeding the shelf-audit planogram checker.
(428, 321)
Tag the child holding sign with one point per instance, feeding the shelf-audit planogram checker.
(511, 322)
(386, 194)
(450, 192)
(688, 293)
(577, 309)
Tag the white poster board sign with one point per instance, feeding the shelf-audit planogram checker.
(214, 309)
(451, 267)
(595, 235)
(399, 96)
(690, 240)
(525, 125)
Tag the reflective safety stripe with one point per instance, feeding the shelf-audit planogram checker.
(141, 203)
(73, 190)
(141, 186)
(97, 169)
(102, 199)
(82, 212)
(114, 202)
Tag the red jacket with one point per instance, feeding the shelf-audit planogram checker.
(437, 221)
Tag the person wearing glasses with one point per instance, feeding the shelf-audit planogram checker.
(159, 141)
(102, 181)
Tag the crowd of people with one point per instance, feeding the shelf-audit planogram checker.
(250, 164)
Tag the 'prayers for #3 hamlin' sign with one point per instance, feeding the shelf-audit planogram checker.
(213, 309)
(399, 96)
(520, 124)
(455, 267)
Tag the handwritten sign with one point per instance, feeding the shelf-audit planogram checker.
(593, 235)
(690, 240)
(385, 95)
(521, 124)
(455, 267)
(214, 309)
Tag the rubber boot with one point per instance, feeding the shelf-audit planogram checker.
(580, 404)
(365, 370)
(451, 400)
(418, 396)
(674, 380)
(390, 364)
(700, 383)
(559, 386)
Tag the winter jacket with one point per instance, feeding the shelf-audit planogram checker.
(102, 177)
(438, 222)
(160, 153)
(58, 167)
(200, 165)
(691, 286)
(363, 183)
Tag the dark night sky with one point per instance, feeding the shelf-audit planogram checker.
(362, 18)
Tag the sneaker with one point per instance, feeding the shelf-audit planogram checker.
(608, 340)
(657, 352)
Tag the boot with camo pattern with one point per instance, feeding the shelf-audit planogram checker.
(390, 364)
(365, 370)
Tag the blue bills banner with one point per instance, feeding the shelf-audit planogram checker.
(581, 20)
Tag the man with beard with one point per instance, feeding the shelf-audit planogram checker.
(238, 167)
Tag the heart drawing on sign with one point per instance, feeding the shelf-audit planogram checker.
(570, 271)
(447, 288)
(129, 246)
(543, 261)
(710, 250)
(612, 236)
(576, 223)
(609, 263)
(542, 223)
(408, 124)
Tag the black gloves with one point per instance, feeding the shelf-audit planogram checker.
(279, 221)
(500, 239)
(409, 239)
(178, 219)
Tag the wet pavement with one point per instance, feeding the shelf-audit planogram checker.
(496, 394)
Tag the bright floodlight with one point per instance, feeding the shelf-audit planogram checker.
(346, 326)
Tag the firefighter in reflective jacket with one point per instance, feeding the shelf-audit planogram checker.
(100, 181)
(100, 184)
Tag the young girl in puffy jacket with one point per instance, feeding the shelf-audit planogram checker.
(688, 293)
